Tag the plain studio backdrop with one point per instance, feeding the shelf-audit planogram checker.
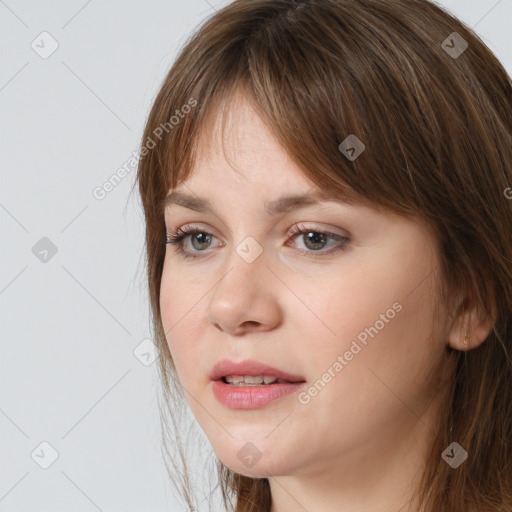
(79, 425)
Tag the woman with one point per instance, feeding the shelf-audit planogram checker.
(334, 300)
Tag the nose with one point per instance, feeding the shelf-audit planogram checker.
(246, 297)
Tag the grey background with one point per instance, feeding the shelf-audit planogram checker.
(70, 324)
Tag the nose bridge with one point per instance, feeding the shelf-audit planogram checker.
(246, 248)
(247, 262)
(245, 293)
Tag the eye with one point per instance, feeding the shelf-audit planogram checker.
(178, 239)
(315, 240)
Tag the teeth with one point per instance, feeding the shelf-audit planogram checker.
(238, 380)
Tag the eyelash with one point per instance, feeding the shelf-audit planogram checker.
(177, 239)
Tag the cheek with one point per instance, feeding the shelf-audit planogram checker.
(384, 371)
(181, 310)
(379, 315)
(344, 306)
(180, 295)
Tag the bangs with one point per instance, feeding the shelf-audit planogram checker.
(314, 101)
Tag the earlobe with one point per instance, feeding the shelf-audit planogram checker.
(470, 329)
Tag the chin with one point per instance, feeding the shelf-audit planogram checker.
(259, 470)
(257, 459)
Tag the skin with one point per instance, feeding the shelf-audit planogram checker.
(361, 442)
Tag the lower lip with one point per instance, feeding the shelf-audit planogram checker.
(252, 397)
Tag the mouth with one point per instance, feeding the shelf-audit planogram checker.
(251, 373)
(251, 385)
(250, 380)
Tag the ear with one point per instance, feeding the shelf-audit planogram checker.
(471, 326)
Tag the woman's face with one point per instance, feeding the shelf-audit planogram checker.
(353, 319)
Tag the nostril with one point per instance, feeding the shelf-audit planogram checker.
(250, 323)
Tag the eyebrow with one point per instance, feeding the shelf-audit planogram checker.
(275, 207)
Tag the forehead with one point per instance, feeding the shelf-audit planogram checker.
(235, 152)
(235, 124)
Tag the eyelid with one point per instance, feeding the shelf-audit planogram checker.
(303, 226)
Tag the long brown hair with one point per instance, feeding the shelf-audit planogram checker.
(434, 110)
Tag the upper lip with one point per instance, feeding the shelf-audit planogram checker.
(249, 367)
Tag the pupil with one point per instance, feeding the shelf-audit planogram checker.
(207, 237)
(315, 237)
